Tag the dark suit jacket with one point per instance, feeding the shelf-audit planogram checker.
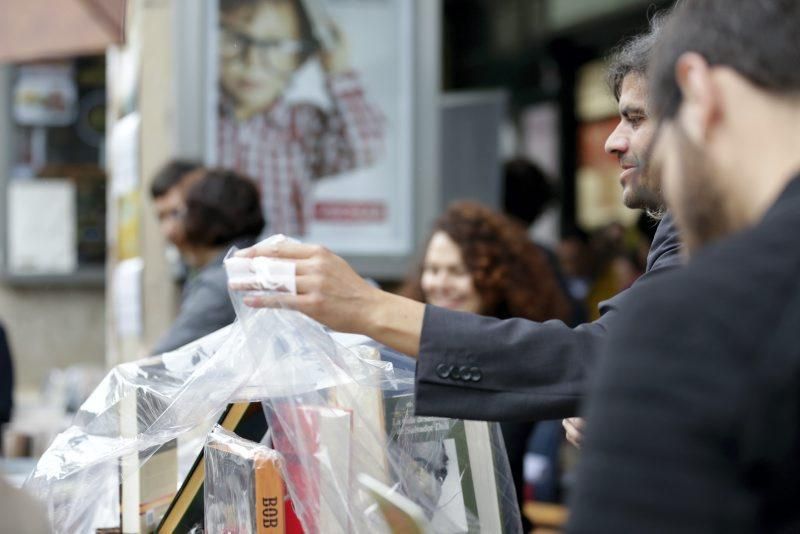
(475, 367)
(694, 422)
(6, 379)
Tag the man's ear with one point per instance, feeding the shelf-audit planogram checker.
(700, 99)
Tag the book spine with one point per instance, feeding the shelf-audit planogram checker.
(270, 496)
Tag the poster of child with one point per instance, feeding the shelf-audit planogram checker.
(269, 52)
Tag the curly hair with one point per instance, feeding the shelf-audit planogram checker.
(510, 273)
(220, 207)
(633, 55)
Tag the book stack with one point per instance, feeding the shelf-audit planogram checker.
(186, 512)
(306, 472)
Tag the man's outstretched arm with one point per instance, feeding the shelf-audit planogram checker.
(470, 366)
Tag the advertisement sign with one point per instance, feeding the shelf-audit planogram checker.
(312, 100)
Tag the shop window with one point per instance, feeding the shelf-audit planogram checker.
(55, 194)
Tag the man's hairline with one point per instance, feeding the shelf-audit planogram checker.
(631, 72)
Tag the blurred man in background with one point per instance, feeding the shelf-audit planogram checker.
(694, 424)
(221, 209)
(168, 192)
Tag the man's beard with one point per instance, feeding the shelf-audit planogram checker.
(698, 202)
(648, 196)
(645, 196)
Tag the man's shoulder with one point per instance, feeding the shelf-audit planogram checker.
(737, 281)
(666, 249)
(211, 278)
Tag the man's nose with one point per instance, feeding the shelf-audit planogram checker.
(617, 143)
(170, 228)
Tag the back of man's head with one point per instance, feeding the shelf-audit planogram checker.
(759, 39)
(222, 206)
(171, 175)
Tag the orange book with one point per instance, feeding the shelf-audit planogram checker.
(270, 493)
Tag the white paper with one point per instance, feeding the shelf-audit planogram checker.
(127, 287)
(124, 154)
(42, 226)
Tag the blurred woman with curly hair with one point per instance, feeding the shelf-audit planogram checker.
(477, 260)
(480, 261)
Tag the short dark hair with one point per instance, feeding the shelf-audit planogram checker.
(222, 206)
(171, 175)
(756, 38)
(633, 55)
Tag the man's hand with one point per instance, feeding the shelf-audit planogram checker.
(331, 292)
(574, 428)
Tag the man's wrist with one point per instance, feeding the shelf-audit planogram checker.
(377, 313)
(394, 321)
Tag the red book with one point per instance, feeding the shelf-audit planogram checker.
(315, 443)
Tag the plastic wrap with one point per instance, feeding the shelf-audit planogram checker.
(336, 410)
(137, 408)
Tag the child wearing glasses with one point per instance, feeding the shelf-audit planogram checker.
(286, 146)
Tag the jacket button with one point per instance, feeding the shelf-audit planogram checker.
(475, 374)
(465, 373)
(455, 373)
(443, 370)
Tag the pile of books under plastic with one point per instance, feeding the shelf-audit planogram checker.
(272, 425)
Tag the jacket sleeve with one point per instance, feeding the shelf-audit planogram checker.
(476, 367)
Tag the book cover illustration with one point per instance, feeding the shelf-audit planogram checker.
(452, 472)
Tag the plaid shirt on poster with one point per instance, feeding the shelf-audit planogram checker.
(289, 146)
